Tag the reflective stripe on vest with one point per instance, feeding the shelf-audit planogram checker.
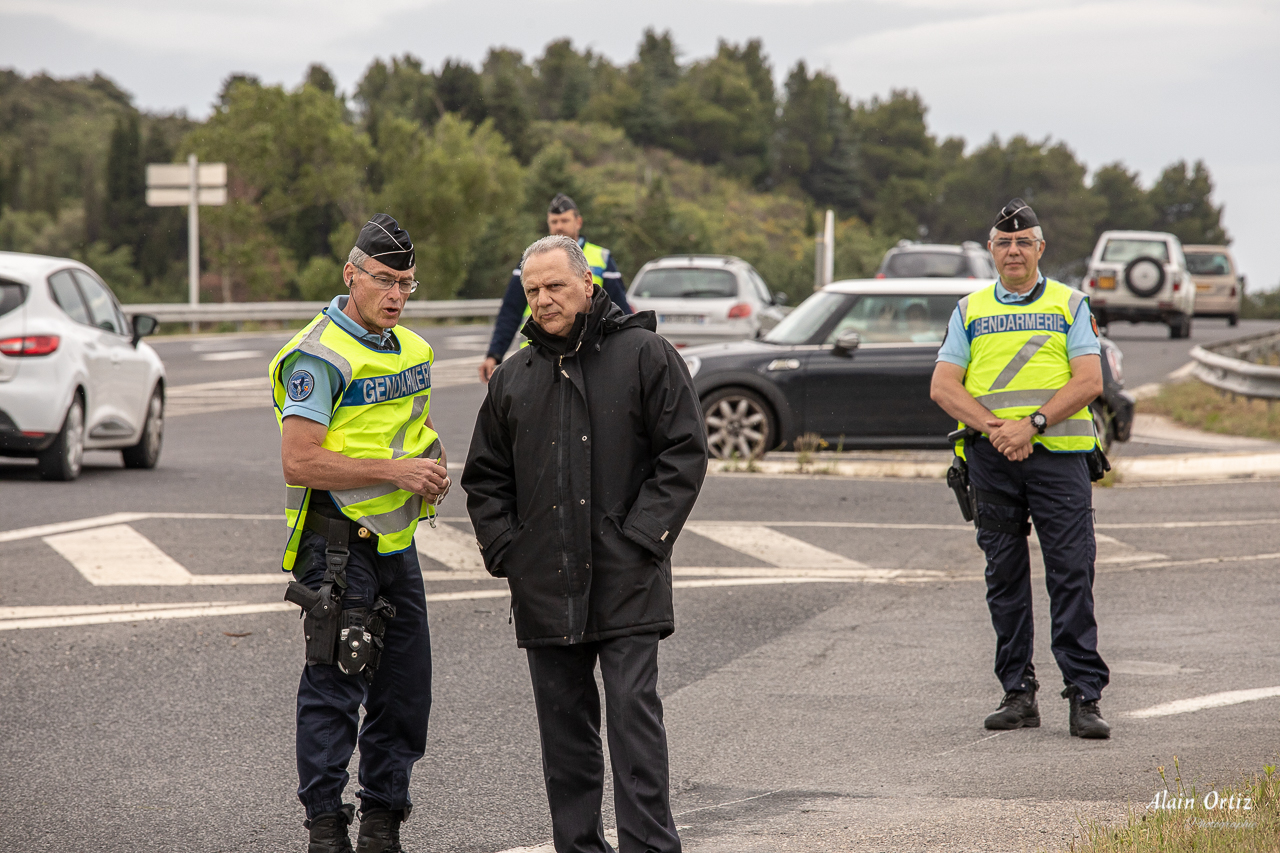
(380, 413)
(597, 259)
(1018, 359)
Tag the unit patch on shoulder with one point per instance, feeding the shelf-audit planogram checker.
(301, 384)
(1094, 321)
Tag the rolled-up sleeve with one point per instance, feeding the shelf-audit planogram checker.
(955, 346)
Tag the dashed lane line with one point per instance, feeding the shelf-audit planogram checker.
(770, 546)
(1201, 703)
(118, 555)
(42, 530)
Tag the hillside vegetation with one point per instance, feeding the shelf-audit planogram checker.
(662, 157)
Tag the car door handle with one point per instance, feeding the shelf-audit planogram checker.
(784, 364)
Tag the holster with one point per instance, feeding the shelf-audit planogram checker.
(969, 497)
(1098, 463)
(322, 609)
(958, 480)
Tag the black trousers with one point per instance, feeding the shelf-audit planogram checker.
(397, 703)
(568, 705)
(1056, 489)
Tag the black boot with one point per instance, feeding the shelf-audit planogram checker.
(1086, 720)
(1018, 710)
(329, 831)
(380, 831)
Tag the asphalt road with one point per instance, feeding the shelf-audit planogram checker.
(824, 690)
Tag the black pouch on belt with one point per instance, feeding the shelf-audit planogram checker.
(1099, 465)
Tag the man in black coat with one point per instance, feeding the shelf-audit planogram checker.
(587, 458)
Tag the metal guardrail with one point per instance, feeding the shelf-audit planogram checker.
(240, 312)
(1248, 366)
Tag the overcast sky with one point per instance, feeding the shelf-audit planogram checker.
(1147, 82)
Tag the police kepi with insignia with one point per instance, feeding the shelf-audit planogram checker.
(1020, 365)
(362, 465)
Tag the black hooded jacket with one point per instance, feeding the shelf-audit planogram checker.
(587, 458)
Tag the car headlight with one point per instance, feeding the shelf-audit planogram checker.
(693, 363)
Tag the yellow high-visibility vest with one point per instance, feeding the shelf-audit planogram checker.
(381, 414)
(1018, 360)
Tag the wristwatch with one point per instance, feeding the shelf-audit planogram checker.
(1039, 421)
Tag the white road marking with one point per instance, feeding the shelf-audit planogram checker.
(232, 355)
(125, 518)
(770, 546)
(118, 555)
(451, 546)
(188, 611)
(35, 611)
(205, 397)
(1200, 703)
(794, 572)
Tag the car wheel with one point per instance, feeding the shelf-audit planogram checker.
(146, 453)
(1144, 277)
(1180, 327)
(1101, 426)
(64, 458)
(1233, 320)
(739, 423)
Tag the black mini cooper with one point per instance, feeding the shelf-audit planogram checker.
(853, 364)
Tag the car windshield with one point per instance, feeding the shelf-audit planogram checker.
(897, 318)
(686, 283)
(1123, 251)
(802, 324)
(926, 265)
(1208, 263)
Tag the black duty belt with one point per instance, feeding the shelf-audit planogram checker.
(338, 531)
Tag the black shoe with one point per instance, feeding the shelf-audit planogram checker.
(329, 831)
(1086, 719)
(1018, 710)
(380, 831)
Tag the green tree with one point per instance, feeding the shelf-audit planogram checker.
(508, 84)
(296, 174)
(125, 206)
(564, 79)
(1126, 205)
(716, 115)
(1047, 176)
(397, 88)
(460, 90)
(445, 189)
(896, 163)
(1181, 198)
(816, 147)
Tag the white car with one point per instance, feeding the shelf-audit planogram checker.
(74, 374)
(703, 299)
(1141, 276)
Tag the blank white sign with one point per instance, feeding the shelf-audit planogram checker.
(181, 196)
(179, 175)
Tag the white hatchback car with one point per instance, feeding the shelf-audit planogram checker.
(74, 375)
(1141, 276)
(703, 299)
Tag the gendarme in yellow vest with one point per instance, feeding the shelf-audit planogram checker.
(597, 259)
(1018, 359)
(381, 414)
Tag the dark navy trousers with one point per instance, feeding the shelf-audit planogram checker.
(1057, 490)
(568, 706)
(397, 703)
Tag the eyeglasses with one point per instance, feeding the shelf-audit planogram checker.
(1021, 243)
(384, 283)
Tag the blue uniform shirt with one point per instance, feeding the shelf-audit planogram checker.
(1081, 339)
(513, 304)
(312, 385)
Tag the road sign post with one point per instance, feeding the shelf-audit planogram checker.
(824, 252)
(193, 184)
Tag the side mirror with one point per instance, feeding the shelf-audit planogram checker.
(846, 342)
(143, 325)
(779, 298)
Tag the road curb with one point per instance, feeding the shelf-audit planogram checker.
(1175, 468)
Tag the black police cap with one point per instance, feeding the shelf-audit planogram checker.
(1017, 215)
(561, 204)
(385, 241)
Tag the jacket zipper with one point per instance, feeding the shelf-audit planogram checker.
(562, 488)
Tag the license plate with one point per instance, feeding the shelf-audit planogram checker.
(1106, 282)
(694, 319)
(1203, 288)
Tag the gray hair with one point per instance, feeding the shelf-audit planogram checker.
(357, 256)
(577, 261)
(1036, 232)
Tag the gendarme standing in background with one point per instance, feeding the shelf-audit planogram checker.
(362, 464)
(563, 219)
(1021, 363)
(587, 457)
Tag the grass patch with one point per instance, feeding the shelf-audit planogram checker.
(1198, 405)
(1239, 818)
